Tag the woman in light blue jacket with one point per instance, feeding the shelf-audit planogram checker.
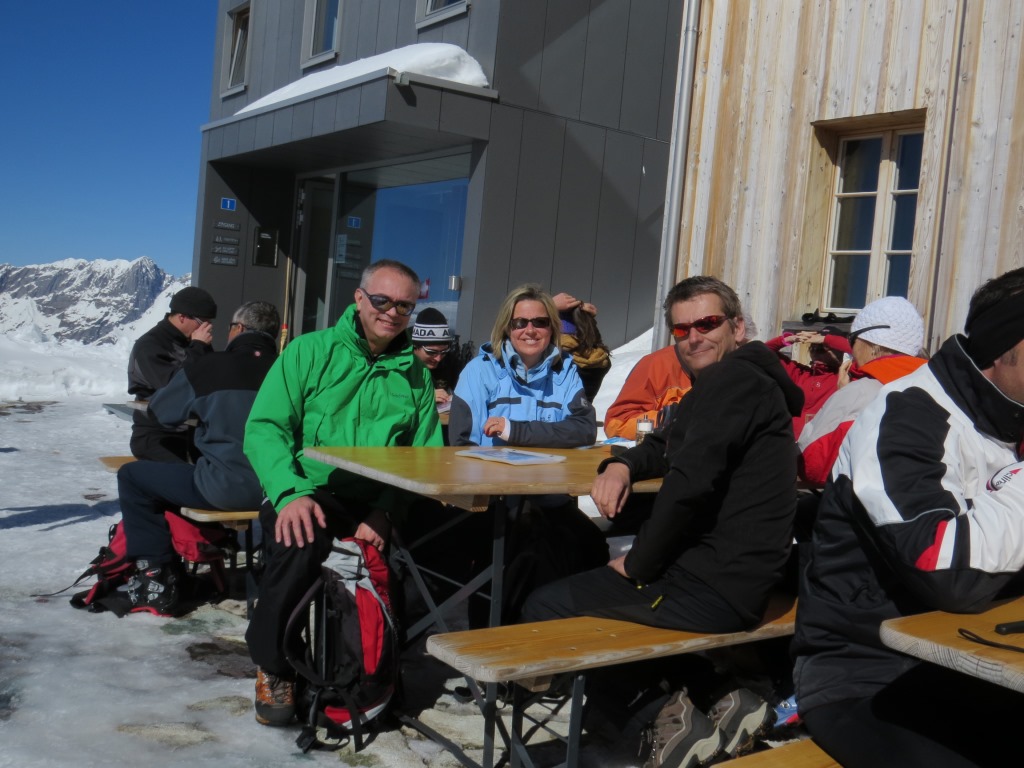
(521, 389)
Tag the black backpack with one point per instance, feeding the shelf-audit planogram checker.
(342, 640)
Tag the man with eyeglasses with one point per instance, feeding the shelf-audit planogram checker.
(185, 334)
(715, 542)
(355, 384)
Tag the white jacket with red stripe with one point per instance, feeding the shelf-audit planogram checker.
(820, 439)
(909, 523)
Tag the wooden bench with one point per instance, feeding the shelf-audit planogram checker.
(114, 463)
(533, 655)
(797, 754)
(236, 521)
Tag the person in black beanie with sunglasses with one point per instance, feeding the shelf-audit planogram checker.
(924, 512)
(715, 542)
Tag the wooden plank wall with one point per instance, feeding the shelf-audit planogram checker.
(777, 79)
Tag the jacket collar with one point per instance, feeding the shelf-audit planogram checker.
(992, 412)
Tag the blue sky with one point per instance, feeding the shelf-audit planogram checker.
(102, 103)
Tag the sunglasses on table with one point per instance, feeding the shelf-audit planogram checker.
(518, 323)
(704, 325)
(383, 303)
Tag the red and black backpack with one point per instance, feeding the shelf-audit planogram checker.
(112, 567)
(342, 640)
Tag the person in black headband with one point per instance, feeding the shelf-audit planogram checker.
(923, 511)
(994, 328)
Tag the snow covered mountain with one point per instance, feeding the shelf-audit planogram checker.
(78, 300)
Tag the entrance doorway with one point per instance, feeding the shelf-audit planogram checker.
(412, 212)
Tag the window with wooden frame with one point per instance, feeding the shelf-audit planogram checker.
(871, 224)
(236, 64)
(321, 31)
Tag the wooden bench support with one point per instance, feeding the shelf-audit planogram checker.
(532, 655)
(114, 463)
(797, 754)
(236, 521)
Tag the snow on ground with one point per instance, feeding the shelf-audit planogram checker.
(91, 689)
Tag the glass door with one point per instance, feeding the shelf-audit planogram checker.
(412, 212)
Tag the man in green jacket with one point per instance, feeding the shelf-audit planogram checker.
(357, 383)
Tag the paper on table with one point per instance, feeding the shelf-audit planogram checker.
(510, 456)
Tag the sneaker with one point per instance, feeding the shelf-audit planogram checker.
(786, 715)
(681, 736)
(741, 716)
(275, 699)
(153, 588)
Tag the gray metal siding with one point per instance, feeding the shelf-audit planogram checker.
(601, 97)
(536, 207)
(517, 58)
(643, 285)
(367, 42)
(565, 57)
(264, 199)
(578, 201)
(465, 114)
(387, 25)
(669, 70)
(497, 217)
(641, 85)
(616, 230)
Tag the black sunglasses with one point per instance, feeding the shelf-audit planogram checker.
(857, 334)
(518, 323)
(704, 325)
(383, 303)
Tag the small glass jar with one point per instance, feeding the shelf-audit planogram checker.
(644, 427)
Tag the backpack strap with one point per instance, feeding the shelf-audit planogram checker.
(293, 636)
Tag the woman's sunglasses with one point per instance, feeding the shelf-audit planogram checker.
(704, 325)
(518, 323)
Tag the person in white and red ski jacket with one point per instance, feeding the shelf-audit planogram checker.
(923, 512)
(884, 339)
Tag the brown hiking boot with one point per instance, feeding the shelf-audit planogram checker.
(275, 699)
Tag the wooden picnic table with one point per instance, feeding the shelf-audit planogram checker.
(467, 483)
(935, 637)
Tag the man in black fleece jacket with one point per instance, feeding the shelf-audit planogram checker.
(719, 532)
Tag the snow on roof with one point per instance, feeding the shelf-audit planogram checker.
(441, 60)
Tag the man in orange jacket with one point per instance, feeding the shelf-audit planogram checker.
(658, 380)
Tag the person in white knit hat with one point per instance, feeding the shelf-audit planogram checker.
(885, 338)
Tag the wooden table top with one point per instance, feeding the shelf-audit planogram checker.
(466, 482)
(934, 637)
